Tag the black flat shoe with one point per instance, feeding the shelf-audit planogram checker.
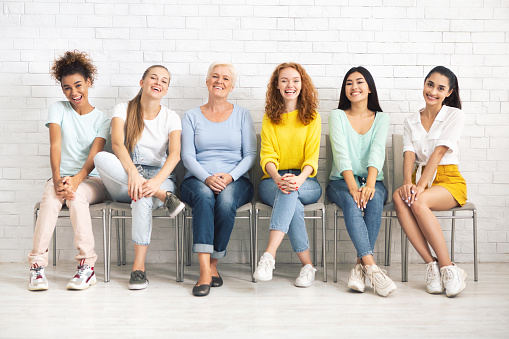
(217, 281)
(201, 290)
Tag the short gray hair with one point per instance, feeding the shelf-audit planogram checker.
(232, 69)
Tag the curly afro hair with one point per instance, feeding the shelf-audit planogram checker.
(74, 62)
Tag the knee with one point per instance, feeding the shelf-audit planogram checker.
(419, 207)
(100, 158)
(144, 204)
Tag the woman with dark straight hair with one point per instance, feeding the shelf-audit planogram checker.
(358, 132)
(432, 181)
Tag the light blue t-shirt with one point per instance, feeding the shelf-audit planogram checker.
(214, 147)
(78, 134)
(354, 151)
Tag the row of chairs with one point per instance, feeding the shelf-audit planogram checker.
(119, 212)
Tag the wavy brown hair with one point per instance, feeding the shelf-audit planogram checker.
(307, 103)
(134, 123)
(74, 62)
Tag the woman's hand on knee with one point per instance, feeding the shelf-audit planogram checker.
(366, 195)
(293, 182)
(150, 187)
(215, 183)
(407, 193)
(135, 185)
(356, 195)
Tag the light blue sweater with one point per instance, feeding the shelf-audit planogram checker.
(214, 147)
(356, 152)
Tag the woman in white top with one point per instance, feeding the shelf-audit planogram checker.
(146, 141)
(431, 143)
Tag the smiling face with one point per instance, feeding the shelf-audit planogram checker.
(75, 88)
(156, 82)
(220, 82)
(289, 84)
(436, 89)
(356, 88)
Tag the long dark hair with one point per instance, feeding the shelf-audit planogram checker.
(373, 104)
(452, 100)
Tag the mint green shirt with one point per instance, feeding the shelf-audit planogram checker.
(356, 152)
(78, 134)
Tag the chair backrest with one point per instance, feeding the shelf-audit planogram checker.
(397, 160)
(257, 169)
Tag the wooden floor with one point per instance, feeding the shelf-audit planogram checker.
(242, 309)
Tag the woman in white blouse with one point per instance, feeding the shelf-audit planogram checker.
(432, 181)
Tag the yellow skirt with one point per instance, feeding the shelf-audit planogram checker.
(450, 178)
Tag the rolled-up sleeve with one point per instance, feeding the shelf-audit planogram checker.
(248, 146)
(377, 151)
(188, 153)
(312, 148)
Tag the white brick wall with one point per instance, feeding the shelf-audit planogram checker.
(398, 40)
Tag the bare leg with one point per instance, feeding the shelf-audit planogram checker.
(275, 239)
(140, 252)
(409, 224)
(160, 194)
(436, 198)
(367, 260)
(305, 258)
(205, 270)
(213, 267)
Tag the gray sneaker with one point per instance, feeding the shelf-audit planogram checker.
(138, 280)
(38, 281)
(172, 204)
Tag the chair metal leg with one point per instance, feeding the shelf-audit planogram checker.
(315, 241)
(476, 262)
(404, 257)
(255, 242)
(119, 255)
(105, 246)
(452, 235)
(110, 216)
(55, 247)
(177, 249)
(335, 245)
(251, 245)
(124, 248)
(324, 244)
(388, 230)
(189, 244)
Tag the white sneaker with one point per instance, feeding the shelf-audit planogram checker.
(433, 279)
(38, 281)
(306, 276)
(453, 279)
(264, 269)
(357, 280)
(83, 279)
(381, 283)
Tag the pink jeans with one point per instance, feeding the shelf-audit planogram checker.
(90, 191)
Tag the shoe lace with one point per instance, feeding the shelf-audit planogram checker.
(358, 273)
(264, 264)
(138, 275)
(306, 271)
(82, 267)
(36, 271)
(431, 273)
(381, 276)
(447, 275)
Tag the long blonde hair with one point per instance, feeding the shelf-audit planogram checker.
(134, 123)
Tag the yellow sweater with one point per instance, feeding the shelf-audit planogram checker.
(290, 145)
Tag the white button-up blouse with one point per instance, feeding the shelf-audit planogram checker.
(445, 131)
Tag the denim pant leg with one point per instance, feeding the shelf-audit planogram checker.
(362, 235)
(282, 218)
(232, 197)
(202, 199)
(143, 207)
(113, 175)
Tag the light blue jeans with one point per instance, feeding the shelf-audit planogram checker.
(362, 229)
(115, 180)
(288, 209)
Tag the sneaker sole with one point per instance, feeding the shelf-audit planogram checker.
(356, 288)
(136, 287)
(304, 285)
(261, 279)
(463, 286)
(392, 289)
(81, 287)
(179, 208)
(37, 288)
(435, 291)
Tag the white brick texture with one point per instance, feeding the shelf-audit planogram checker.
(398, 40)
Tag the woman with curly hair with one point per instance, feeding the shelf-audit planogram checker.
(77, 131)
(290, 135)
(145, 137)
(358, 132)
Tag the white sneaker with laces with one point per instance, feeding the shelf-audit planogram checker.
(357, 280)
(38, 281)
(381, 283)
(84, 277)
(433, 279)
(264, 269)
(453, 279)
(306, 276)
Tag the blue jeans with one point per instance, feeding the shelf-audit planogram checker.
(288, 209)
(363, 230)
(214, 214)
(115, 180)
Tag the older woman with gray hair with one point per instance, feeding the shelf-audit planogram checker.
(218, 148)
